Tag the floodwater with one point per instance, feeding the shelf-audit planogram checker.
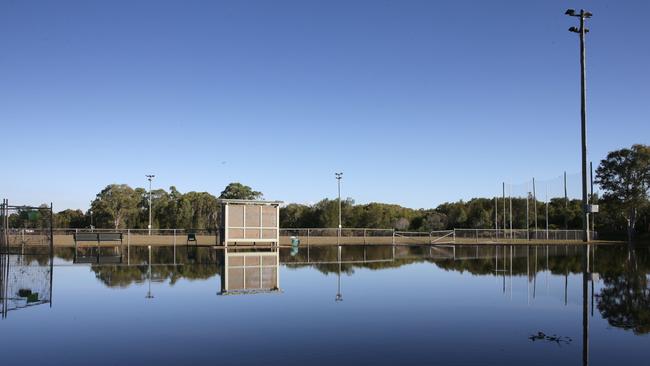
(445, 305)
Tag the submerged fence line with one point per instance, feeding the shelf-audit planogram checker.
(64, 236)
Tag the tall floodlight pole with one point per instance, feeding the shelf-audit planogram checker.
(150, 178)
(583, 114)
(338, 179)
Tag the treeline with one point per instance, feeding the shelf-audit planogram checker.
(624, 177)
(477, 213)
(119, 206)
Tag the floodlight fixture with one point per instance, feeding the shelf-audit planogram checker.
(570, 12)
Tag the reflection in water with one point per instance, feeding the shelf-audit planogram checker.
(339, 296)
(24, 282)
(250, 272)
(624, 299)
(149, 294)
(95, 254)
(585, 295)
(622, 296)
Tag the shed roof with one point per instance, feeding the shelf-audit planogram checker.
(249, 202)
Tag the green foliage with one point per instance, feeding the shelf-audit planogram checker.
(625, 177)
(71, 219)
(115, 205)
(239, 191)
(120, 206)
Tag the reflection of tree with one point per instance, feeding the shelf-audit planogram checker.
(625, 299)
(195, 263)
(124, 276)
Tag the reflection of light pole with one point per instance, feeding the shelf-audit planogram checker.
(338, 179)
(585, 315)
(149, 294)
(150, 178)
(583, 113)
(339, 296)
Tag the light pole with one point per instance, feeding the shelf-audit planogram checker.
(338, 179)
(583, 114)
(150, 178)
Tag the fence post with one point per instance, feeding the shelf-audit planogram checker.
(454, 235)
(476, 236)
(393, 236)
(430, 238)
(307, 236)
(364, 236)
(174, 246)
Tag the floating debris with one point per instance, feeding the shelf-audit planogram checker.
(541, 336)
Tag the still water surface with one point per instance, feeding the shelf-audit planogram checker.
(445, 305)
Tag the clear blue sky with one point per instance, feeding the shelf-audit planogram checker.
(417, 102)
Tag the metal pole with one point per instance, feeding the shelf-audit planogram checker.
(583, 129)
(510, 197)
(593, 198)
(504, 209)
(496, 217)
(546, 212)
(535, 207)
(338, 179)
(150, 177)
(566, 205)
(527, 220)
(51, 230)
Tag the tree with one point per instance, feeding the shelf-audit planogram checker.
(114, 205)
(70, 219)
(237, 190)
(434, 221)
(401, 224)
(625, 177)
(205, 210)
(294, 215)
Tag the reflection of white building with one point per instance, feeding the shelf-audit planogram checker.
(23, 283)
(250, 272)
